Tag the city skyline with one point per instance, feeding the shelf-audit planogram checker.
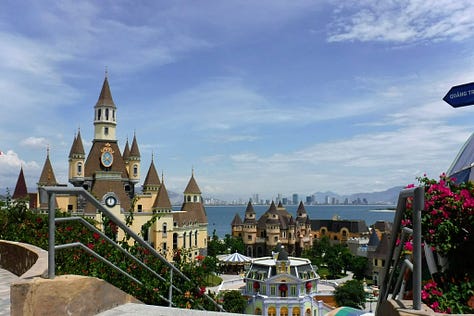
(274, 96)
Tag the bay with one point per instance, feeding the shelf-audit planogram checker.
(220, 217)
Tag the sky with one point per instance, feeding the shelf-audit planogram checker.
(262, 97)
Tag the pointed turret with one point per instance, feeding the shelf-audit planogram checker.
(126, 152)
(105, 97)
(162, 201)
(133, 163)
(250, 215)
(237, 221)
(152, 181)
(47, 177)
(77, 158)
(105, 115)
(192, 188)
(21, 192)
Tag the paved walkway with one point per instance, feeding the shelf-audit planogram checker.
(6, 278)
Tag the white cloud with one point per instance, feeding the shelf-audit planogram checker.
(402, 21)
(35, 142)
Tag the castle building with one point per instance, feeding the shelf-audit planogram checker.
(275, 226)
(112, 176)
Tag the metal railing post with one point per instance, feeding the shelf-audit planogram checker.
(418, 206)
(170, 295)
(51, 237)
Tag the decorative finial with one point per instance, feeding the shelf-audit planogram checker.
(106, 73)
(47, 150)
(162, 177)
(152, 156)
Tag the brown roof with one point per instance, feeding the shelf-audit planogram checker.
(134, 152)
(192, 187)
(301, 210)
(101, 187)
(21, 191)
(162, 200)
(151, 178)
(126, 151)
(190, 212)
(47, 177)
(93, 163)
(105, 97)
(77, 148)
(249, 208)
(236, 221)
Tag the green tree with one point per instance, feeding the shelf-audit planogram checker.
(234, 302)
(350, 294)
(215, 246)
(358, 266)
(234, 244)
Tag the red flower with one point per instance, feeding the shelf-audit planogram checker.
(256, 285)
(96, 236)
(309, 285)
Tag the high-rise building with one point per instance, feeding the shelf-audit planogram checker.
(295, 198)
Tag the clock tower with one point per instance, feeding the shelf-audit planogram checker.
(105, 172)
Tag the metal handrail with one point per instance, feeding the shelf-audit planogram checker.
(418, 195)
(51, 193)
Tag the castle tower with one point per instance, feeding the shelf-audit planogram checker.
(133, 162)
(192, 193)
(105, 120)
(105, 173)
(77, 158)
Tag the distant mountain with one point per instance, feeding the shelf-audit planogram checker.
(389, 196)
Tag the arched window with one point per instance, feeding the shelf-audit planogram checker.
(184, 240)
(272, 311)
(190, 239)
(296, 311)
(165, 229)
(189, 198)
(175, 241)
(196, 238)
(258, 311)
(135, 170)
(283, 311)
(195, 198)
(79, 168)
(99, 112)
(106, 114)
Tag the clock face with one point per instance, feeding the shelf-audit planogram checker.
(110, 201)
(107, 159)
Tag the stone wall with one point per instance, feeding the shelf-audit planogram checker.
(23, 260)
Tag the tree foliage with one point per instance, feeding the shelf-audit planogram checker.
(351, 294)
(234, 302)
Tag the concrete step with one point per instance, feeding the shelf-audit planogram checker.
(6, 278)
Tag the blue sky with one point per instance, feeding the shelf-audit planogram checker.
(257, 96)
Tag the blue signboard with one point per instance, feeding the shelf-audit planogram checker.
(461, 95)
